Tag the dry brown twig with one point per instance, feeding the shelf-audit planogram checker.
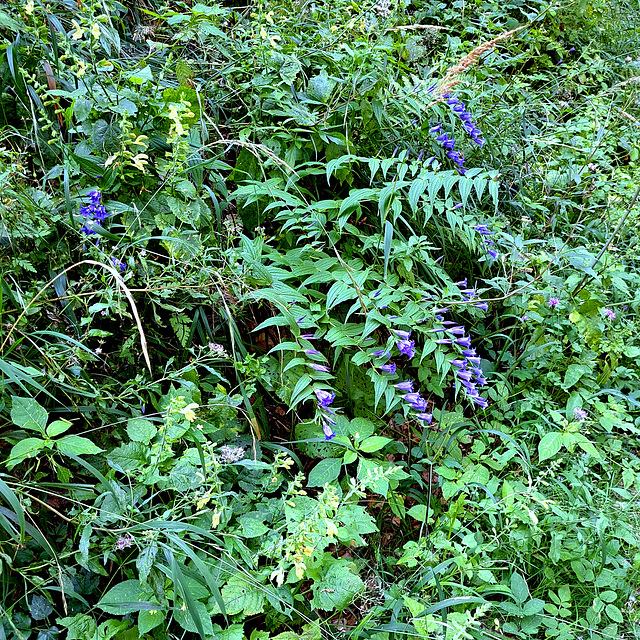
(450, 79)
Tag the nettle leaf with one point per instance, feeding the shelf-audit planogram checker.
(325, 471)
(141, 430)
(128, 457)
(183, 617)
(40, 608)
(320, 87)
(127, 596)
(239, 594)
(355, 522)
(28, 414)
(573, 374)
(252, 524)
(338, 588)
(80, 627)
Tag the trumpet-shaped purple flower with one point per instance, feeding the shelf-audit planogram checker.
(444, 341)
(406, 347)
(461, 364)
(456, 331)
(312, 352)
(403, 335)
(425, 417)
(389, 368)
(325, 398)
(610, 314)
(327, 430)
(419, 405)
(464, 342)
(483, 230)
(411, 397)
(319, 367)
(404, 386)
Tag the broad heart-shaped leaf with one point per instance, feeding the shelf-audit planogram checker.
(354, 523)
(320, 87)
(373, 443)
(40, 608)
(148, 620)
(240, 595)
(57, 427)
(549, 445)
(128, 457)
(27, 448)
(338, 588)
(77, 446)
(519, 589)
(28, 414)
(127, 596)
(80, 627)
(573, 374)
(141, 430)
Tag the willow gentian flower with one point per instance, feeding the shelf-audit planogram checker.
(404, 386)
(425, 417)
(325, 398)
(419, 405)
(403, 335)
(327, 430)
(389, 368)
(406, 347)
(411, 397)
(319, 367)
(312, 352)
(464, 342)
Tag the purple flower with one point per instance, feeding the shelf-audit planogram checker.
(406, 347)
(444, 341)
(404, 386)
(425, 417)
(411, 397)
(389, 368)
(325, 398)
(474, 360)
(308, 336)
(483, 230)
(299, 320)
(481, 381)
(319, 367)
(481, 402)
(326, 429)
(482, 305)
(494, 254)
(443, 310)
(553, 302)
(456, 331)
(462, 283)
(403, 335)
(447, 142)
(464, 375)
(468, 352)
(580, 414)
(381, 352)
(436, 128)
(464, 342)
(121, 265)
(458, 363)
(312, 352)
(610, 314)
(124, 542)
(419, 405)
(438, 330)
(375, 294)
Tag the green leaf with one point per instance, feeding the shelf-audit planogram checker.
(614, 613)
(519, 589)
(240, 595)
(127, 596)
(141, 430)
(145, 561)
(28, 414)
(77, 446)
(148, 620)
(128, 457)
(573, 374)
(27, 448)
(587, 446)
(183, 616)
(325, 471)
(373, 443)
(301, 390)
(355, 522)
(419, 512)
(57, 427)
(80, 627)
(338, 588)
(549, 445)
(253, 525)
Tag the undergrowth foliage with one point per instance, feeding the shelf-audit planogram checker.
(319, 320)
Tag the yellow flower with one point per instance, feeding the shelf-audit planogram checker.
(109, 161)
(273, 40)
(28, 8)
(95, 30)
(215, 519)
(201, 502)
(82, 68)
(79, 31)
(269, 17)
(278, 576)
(188, 411)
(138, 162)
(287, 463)
(332, 530)
(307, 550)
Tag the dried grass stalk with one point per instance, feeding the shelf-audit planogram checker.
(450, 79)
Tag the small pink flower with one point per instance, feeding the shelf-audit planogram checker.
(610, 314)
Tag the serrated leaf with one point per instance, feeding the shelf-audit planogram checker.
(325, 471)
(128, 457)
(145, 561)
(141, 430)
(337, 590)
(240, 595)
(320, 87)
(148, 620)
(40, 608)
(28, 414)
